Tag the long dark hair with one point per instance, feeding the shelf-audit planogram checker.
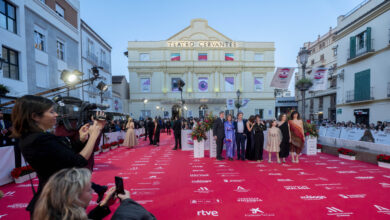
(293, 113)
(251, 119)
(23, 111)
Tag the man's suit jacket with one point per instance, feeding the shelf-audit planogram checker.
(177, 127)
(245, 128)
(150, 127)
(219, 128)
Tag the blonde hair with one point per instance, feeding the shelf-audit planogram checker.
(59, 199)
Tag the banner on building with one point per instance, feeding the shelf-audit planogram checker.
(229, 57)
(282, 77)
(145, 84)
(230, 104)
(203, 84)
(175, 56)
(259, 83)
(244, 103)
(229, 84)
(319, 79)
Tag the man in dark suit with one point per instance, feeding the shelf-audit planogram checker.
(150, 130)
(219, 134)
(5, 131)
(177, 132)
(240, 130)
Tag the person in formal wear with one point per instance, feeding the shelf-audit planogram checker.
(130, 138)
(274, 138)
(258, 138)
(146, 122)
(157, 129)
(241, 131)
(32, 116)
(230, 137)
(151, 130)
(286, 140)
(168, 126)
(297, 136)
(5, 126)
(177, 132)
(250, 151)
(219, 134)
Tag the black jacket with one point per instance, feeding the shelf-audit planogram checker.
(177, 127)
(245, 128)
(150, 127)
(219, 128)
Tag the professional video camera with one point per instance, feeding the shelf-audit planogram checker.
(74, 113)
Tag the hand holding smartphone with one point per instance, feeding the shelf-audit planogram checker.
(119, 185)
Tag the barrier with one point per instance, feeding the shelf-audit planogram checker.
(7, 164)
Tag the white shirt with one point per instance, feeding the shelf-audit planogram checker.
(240, 126)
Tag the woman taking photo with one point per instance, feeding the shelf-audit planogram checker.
(130, 139)
(297, 136)
(286, 140)
(258, 138)
(68, 192)
(32, 116)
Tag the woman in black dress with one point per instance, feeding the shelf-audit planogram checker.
(258, 138)
(250, 152)
(157, 128)
(285, 145)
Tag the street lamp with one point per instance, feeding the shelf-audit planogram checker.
(103, 88)
(145, 101)
(158, 110)
(238, 105)
(303, 57)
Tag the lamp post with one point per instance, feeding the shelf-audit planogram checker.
(145, 101)
(303, 57)
(238, 105)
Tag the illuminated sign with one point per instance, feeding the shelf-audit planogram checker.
(202, 44)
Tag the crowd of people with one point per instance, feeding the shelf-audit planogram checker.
(380, 126)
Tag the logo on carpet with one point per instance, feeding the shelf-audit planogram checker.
(233, 181)
(207, 213)
(18, 205)
(385, 185)
(1, 216)
(201, 181)
(249, 200)
(355, 196)
(311, 198)
(203, 190)
(346, 171)
(295, 169)
(205, 201)
(198, 171)
(318, 179)
(332, 167)
(274, 174)
(241, 189)
(304, 174)
(382, 209)
(9, 194)
(364, 177)
(199, 175)
(320, 164)
(333, 211)
(26, 185)
(254, 212)
(386, 176)
(296, 187)
(143, 202)
(285, 180)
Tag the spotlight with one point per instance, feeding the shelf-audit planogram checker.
(102, 86)
(181, 84)
(95, 71)
(71, 77)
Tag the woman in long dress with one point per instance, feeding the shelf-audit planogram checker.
(274, 138)
(286, 140)
(297, 136)
(130, 139)
(157, 128)
(250, 153)
(230, 138)
(258, 138)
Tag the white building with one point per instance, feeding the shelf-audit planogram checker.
(213, 67)
(363, 63)
(120, 94)
(96, 53)
(320, 105)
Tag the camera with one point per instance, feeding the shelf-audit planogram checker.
(74, 113)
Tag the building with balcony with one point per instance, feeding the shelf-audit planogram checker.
(363, 63)
(213, 67)
(320, 105)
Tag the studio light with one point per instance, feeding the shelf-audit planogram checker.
(71, 77)
(102, 86)
(95, 71)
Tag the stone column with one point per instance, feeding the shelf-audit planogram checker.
(189, 82)
(216, 81)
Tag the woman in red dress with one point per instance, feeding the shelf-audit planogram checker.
(297, 136)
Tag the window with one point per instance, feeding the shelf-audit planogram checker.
(322, 57)
(90, 47)
(144, 57)
(335, 50)
(103, 58)
(311, 104)
(11, 63)
(145, 84)
(259, 112)
(202, 56)
(229, 84)
(7, 16)
(360, 40)
(39, 39)
(259, 83)
(59, 10)
(229, 56)
(42, 75)
(312, 62)
(320, 103)
(175, 86)
(259, 57)
(60, 50)
(175, 56)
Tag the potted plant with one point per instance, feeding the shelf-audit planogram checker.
(3, 90)
(303, 84)
(198, 134)
(22, 174)
(96, 151)
(106, 147)
(383, 160)
(347, 154)
(311, 138)
(114, 145)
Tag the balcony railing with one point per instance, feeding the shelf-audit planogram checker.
(359, 95)
(361, 52)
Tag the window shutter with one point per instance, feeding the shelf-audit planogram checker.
(368, 39)
(362, 86)
(352, 47)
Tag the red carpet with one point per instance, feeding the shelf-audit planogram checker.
(173, 185)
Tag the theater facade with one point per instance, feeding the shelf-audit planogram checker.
(213, 67)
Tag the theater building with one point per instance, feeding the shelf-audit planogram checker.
(213, 67)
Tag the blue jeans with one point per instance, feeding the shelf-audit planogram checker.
(240, 141)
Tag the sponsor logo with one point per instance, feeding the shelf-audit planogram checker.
(249, 200)
(385, 185)
(311, 198)
(333, 211)
(346, 171)
(197, 166)
(18, 205)
(198, 171)
(205, 201)
(201, 181)
(382, 210)
(207, 213)
(152, 172)
(364, 177)
(203, 190)
(9, 194)
(133, 168)
(296, 187)
(304, 174)
(320, 164)
(199, 175)
(319, 179)
(233, 181)
(159, 168)
(295, 169)
(386, 176)
(274, 174)
(355, 196)
(285, 180)
(332, 167)
(26, 185)
(254, 212)
(152, 178)
(1, 216)
(143, 202)
(241, 189)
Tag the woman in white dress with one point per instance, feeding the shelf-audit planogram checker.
(130, 139)
(274, 138)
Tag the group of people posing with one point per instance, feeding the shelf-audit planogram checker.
(246, 137)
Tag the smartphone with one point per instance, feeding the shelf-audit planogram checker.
(119, 185)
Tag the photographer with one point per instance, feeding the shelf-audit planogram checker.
(68, 192)
(32, 116)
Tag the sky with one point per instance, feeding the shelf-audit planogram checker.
(288, 23)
